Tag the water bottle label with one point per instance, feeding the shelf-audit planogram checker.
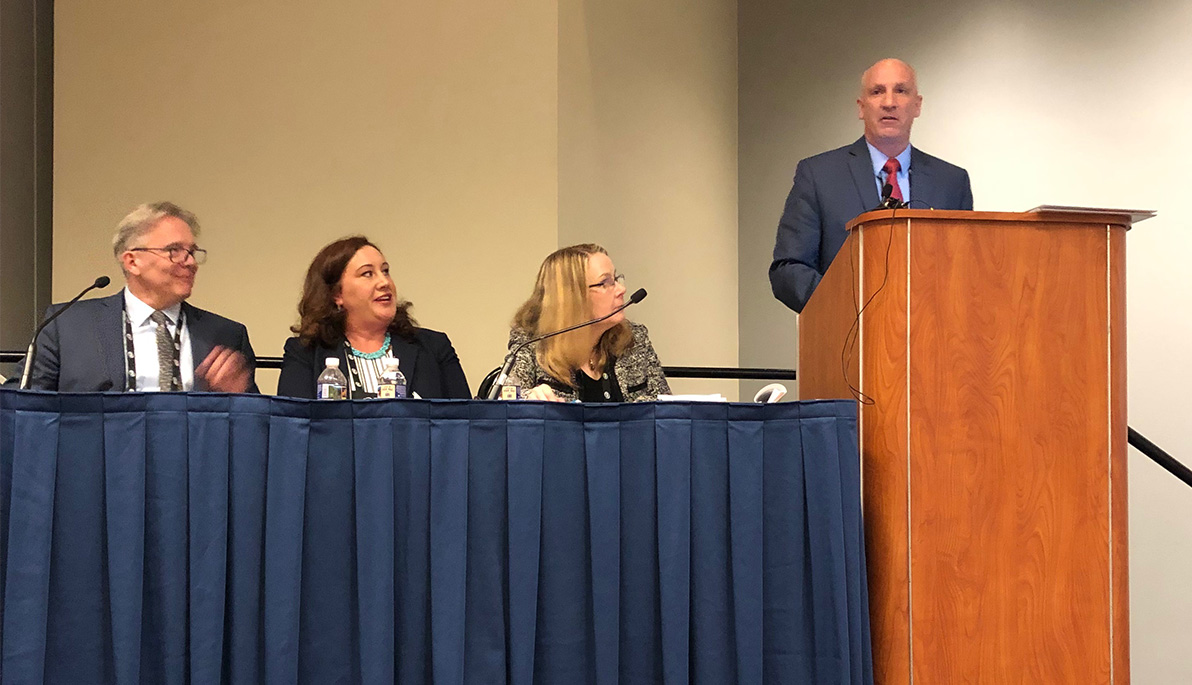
(391, 390)
(328, 391)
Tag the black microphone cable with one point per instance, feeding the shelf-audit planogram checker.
(854, 332)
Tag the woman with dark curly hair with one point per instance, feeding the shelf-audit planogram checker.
(350, 310)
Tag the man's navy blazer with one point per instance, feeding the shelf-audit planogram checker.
(83, 350)
(830, 190)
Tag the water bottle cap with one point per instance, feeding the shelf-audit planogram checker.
(390, 363)
(333, 362)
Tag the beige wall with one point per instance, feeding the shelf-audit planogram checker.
(1064, 103)
(430, 127)
(648, 164)
(467, 139)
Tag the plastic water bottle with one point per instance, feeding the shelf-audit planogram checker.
(393, 381)
(332, 385)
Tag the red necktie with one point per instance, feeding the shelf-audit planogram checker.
(891, 168)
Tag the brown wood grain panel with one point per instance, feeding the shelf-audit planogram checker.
(824, 327)
(1009, 502)
(884, 440)
(1118, 460)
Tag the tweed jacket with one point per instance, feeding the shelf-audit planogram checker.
(638, 371)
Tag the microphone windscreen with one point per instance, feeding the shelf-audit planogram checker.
(102, 282)
(637, 296)
(771, 393)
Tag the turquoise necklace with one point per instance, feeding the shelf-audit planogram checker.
(372, 355)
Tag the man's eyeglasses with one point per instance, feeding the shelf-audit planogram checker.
(609, 282)
(176, 253)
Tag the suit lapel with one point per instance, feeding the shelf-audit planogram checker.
(201, 343)
(861, 166)
(109, 325)
(922, 186)
(629, 375)
(407, 355)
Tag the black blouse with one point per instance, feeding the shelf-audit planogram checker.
(603, 389)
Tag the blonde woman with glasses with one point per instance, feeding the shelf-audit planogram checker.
(611, 361)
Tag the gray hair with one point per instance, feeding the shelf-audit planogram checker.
(140, 220)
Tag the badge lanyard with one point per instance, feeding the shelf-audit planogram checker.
(130, 356)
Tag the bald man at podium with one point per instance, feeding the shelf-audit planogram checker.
(832, 188)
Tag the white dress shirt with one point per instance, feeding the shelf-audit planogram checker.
(144, 343)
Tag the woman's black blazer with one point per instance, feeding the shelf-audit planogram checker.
(428, 362)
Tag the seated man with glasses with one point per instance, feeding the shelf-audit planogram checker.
(611, 361)
(147, 337)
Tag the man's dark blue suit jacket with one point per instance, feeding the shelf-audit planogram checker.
(83, 350)
(830, 190)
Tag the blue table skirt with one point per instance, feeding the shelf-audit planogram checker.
(204, 538)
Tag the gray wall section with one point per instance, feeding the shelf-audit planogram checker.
(780, 123)
(26, 166)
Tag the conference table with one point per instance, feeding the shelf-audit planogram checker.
(213, 538)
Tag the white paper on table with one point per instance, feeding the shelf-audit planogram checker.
(693, 398)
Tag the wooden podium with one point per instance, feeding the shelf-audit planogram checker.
(988, 352)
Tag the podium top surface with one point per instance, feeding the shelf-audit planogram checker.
(1122, 217)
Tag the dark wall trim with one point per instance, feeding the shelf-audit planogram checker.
(26, 165)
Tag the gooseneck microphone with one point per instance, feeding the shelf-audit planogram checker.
(101, 282)
(888, 201)
(637, 296)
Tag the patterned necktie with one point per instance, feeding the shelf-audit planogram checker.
(165, 352)
(891, 168)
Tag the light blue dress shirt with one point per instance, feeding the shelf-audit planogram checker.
(904, 170)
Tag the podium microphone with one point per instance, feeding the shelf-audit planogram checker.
(637, 296)
(888, 201)
(101, 282)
